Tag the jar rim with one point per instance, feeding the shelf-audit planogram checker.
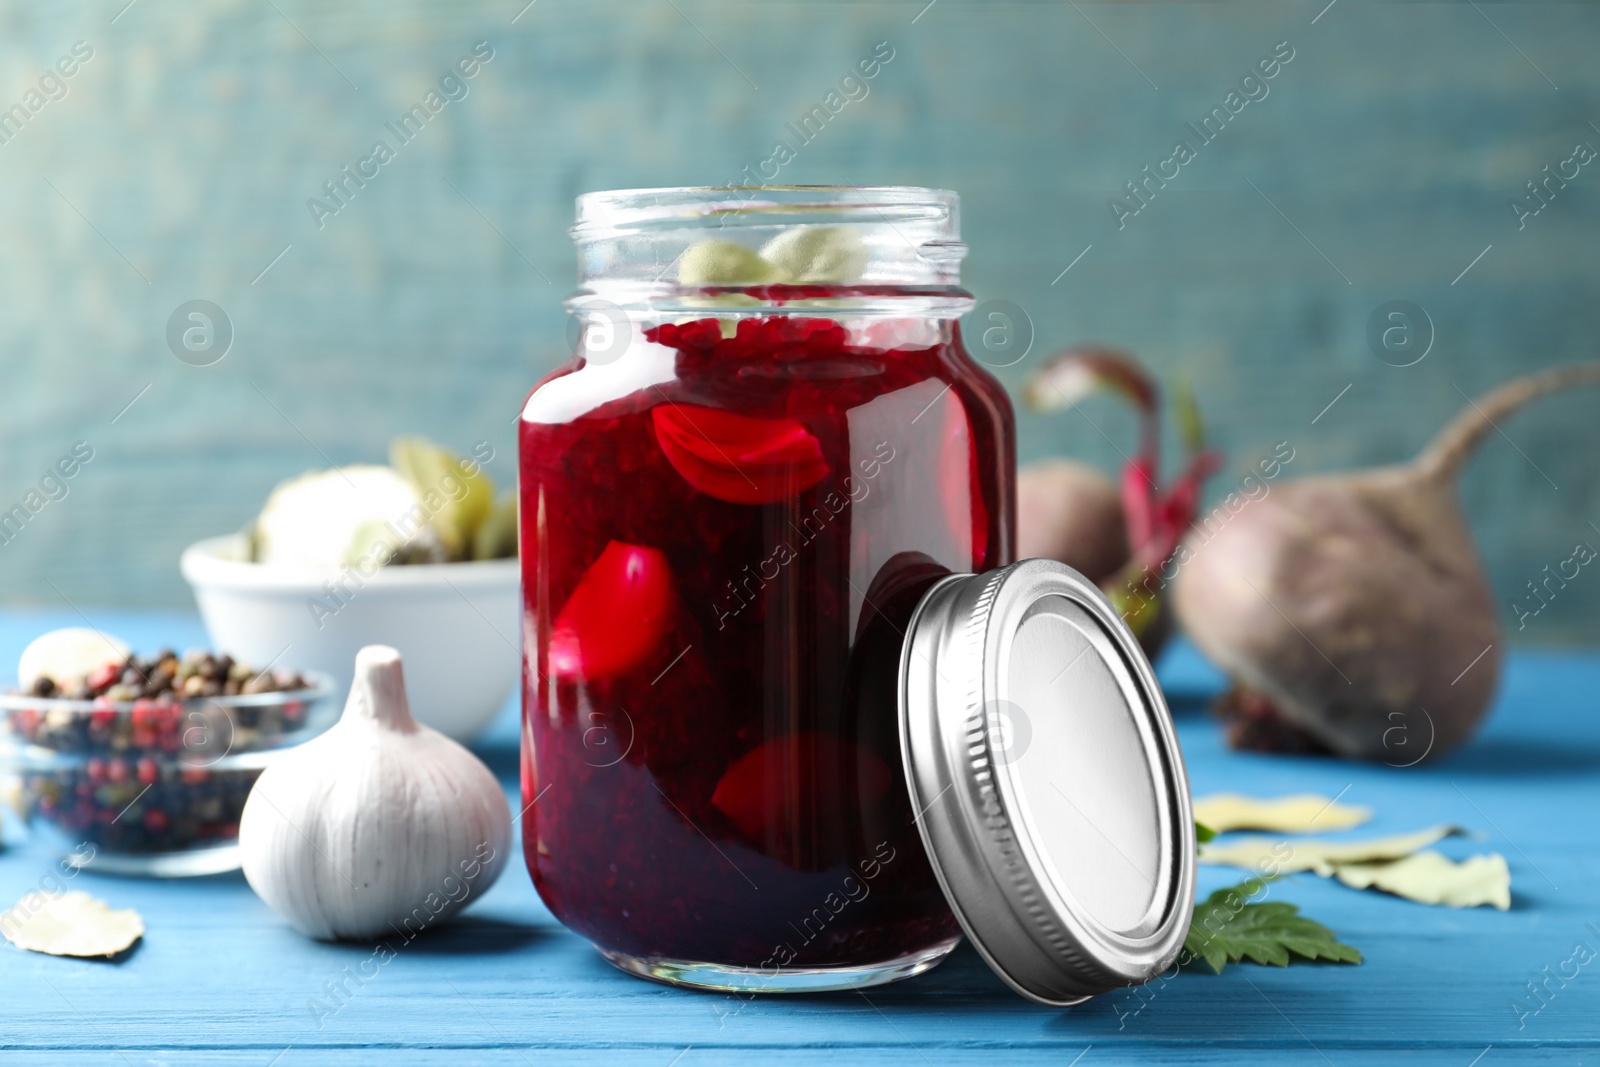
(616, 211)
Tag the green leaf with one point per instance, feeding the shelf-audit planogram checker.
(1229, 928)
(1203, 833)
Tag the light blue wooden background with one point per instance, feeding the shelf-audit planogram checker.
(179, 162)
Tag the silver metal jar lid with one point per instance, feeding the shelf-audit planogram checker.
(1050, 791)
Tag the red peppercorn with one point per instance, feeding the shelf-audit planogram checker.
(147, 771)
(166, 715)
(155, 820)
(104, 677)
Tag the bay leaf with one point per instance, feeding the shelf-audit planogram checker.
(1431, 878)
(1297, 814)
(1277, 855)
(70, 924)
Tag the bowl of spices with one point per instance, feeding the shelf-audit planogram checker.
(141, 765)
(419, 555)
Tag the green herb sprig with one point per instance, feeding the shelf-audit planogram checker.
(1229, 928)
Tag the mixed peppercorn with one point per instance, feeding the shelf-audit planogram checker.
(197, 674)
(148, 774)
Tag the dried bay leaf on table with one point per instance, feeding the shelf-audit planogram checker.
(1297, 814)
(1284, 856)
(1432, 878)
(70, 924)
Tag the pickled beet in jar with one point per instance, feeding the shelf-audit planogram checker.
(794, 719)
(769, 445)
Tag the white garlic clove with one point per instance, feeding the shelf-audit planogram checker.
(381, 826)
(68, 654)
(818, 255)
(714, 262)
(313, 520)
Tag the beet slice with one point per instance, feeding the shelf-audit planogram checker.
(739, 458)
(616, 617)
(798, 797)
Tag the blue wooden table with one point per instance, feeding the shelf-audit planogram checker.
(220, 979)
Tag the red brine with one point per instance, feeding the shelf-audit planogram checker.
(722, 540)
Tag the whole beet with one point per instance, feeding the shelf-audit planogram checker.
(1353, 608)
(1070, 512)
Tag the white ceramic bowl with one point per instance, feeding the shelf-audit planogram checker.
(457, 625)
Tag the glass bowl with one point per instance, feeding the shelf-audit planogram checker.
(154, 786)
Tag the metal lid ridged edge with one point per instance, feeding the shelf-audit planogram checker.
(974, 844)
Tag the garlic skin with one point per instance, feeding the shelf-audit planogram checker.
(379, 826)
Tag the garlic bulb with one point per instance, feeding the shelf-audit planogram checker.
(379, 826)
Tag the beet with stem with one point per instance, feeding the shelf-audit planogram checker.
(1071, 513)
(1351, 611)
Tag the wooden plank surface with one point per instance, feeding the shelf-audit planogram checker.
(219, 979)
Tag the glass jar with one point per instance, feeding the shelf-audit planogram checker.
(769, 444)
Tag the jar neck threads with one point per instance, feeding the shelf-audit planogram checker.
(658, 246)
